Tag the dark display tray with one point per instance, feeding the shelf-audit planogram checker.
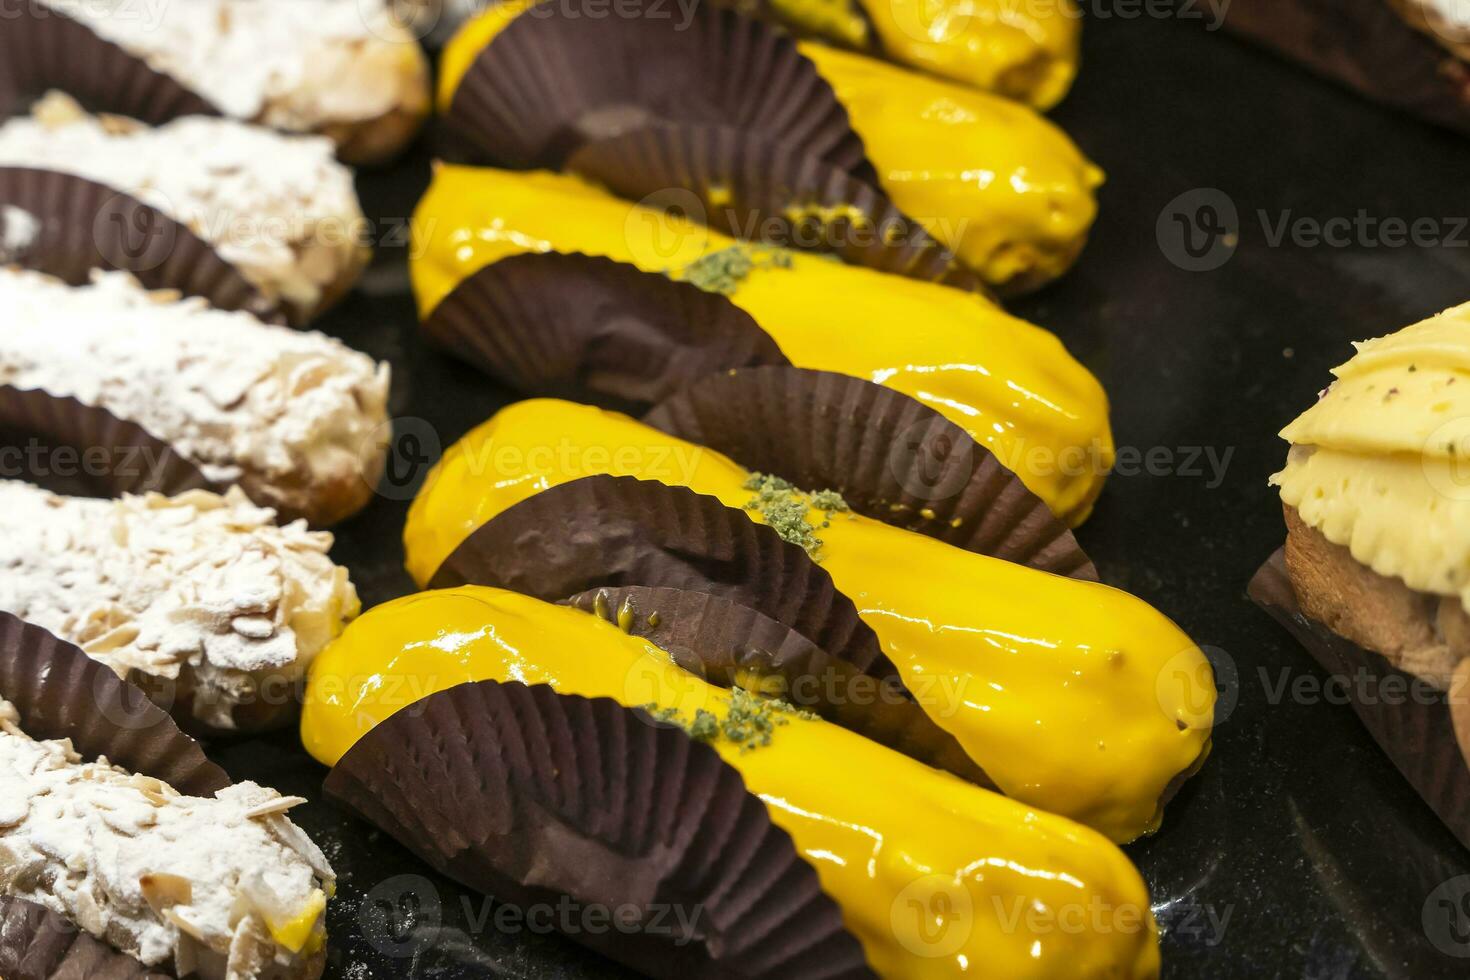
(1298, 851)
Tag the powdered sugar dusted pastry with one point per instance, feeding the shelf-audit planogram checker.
(297, 419)
(342, 68)
(280, 209)
(202, 600)
(226, 887)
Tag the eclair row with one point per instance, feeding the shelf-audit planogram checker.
(870, 670)
(1061, 694)
(822, 594)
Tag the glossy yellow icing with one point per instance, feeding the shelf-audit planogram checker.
(1011, 385)
(994, 45)
(1005, 189)
(1002, 890)
(306, 932)
(1381, 463)
(841, 21)
(1025, 51)
(1067, 693)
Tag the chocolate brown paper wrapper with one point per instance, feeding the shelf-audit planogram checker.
(41, 49)
(112, 456)
(60, 692)
(613, 531)
(530, 796)
(1416, 730)
(723, 642)
(38, 944)
(590, 328)
(85, 225)
(1367, 46)
(553, 80)
(891, 457)
(772, 192)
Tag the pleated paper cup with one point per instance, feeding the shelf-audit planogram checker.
(611, 531)
(61, 693)
(592, 329)
(891, 457)
(42, 49)
(760, 189)
(114, 456)
(82, 225)
(1416, 731)
(1368, 46)
(552, 81)
(38, 944)
(538, 798)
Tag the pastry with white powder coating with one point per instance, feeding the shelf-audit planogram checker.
(212, 880)
(298, 420)
(280, 209)
(201, 600)
(345, 69)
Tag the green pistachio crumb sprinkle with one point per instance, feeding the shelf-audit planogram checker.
(752, 719)
(704, 727)
(749, 724)
(723, 271)
(788, 510)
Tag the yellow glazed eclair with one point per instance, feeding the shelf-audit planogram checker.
(1010, 384)
(1006, 190)
(1067, 693)
(1023, 52)
(887, 835)
(1027, 52)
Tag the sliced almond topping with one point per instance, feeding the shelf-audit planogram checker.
(163, 891)
(156, 791)
(182, 924)
(272, 807)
